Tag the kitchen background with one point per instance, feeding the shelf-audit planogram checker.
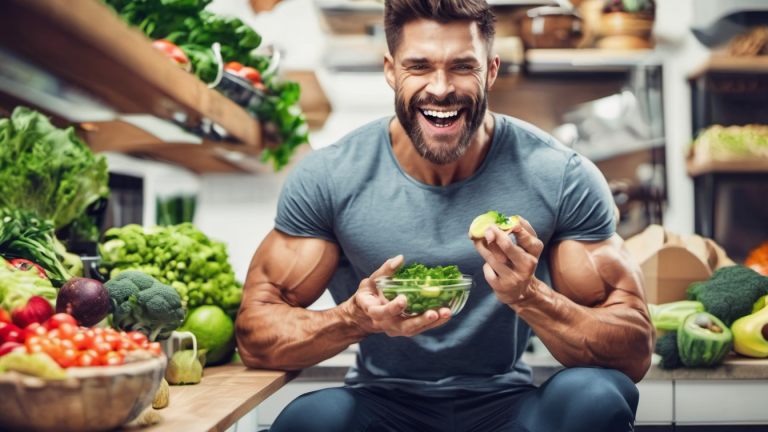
(628, 84)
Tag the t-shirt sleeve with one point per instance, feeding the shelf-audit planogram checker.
(304, 208)
(586, 205)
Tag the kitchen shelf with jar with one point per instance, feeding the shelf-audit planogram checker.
(76, 61)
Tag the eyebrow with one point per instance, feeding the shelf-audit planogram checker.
(424, 60)
(467, 59)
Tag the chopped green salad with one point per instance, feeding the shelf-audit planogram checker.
(428, 288)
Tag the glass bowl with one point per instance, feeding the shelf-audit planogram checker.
(430, 294)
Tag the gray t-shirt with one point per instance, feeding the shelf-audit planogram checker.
(356, 194)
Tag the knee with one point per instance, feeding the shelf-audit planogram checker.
(605, 391)
(323, 410)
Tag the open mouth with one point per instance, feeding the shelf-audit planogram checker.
(441, 119)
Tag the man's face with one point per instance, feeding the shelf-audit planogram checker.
(441, 78)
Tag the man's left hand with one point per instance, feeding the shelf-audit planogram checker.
(509, 268)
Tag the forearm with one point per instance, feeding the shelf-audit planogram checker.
(274, 335)
(616, 335)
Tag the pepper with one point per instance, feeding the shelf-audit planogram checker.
(26, 265)
(750, 334)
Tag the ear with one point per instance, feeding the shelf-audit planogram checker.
(389, 70)
(493, 70)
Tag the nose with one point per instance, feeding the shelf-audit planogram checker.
(439, 85)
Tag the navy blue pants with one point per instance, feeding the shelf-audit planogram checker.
(573, 400)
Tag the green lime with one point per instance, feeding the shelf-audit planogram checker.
(214, 331)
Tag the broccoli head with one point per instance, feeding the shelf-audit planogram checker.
(138, 302)
(666, 347)
(730, 293)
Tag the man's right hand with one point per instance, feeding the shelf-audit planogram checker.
(375, 314)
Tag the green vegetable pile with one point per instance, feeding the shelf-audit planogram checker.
(17, 287)
(138, 302)
(427, 288)
(730, 293)
(733, 142)
(49, 171)
(180, 256)
(23, 235)
(194, 30)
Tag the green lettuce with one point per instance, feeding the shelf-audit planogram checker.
(48, 170)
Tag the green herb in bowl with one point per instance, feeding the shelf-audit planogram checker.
(427, 288)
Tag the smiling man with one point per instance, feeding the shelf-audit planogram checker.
(408, 187)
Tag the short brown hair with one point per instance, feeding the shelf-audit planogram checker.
(399, 12)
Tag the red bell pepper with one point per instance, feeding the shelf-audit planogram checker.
(37, 310)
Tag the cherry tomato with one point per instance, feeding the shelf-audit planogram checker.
(68, 344)
(87, 358)
(6, 328)
(127, 345)
(173, 52)
(34, 329)
(58, 319)
(250, 74)
(111, 358)
(154, 347)
(82, 340)
(138, 337)
(102, 347)
(113, 339)
(67, 331)
(233, 66)
(36, 340)
(67, 358)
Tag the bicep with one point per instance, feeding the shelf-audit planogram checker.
(597, 274)
(291, 270)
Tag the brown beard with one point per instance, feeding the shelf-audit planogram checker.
(473, 109)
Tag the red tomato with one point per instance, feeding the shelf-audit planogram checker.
(233, 66)
(67, 358)
(58, 319)
(68, 344)
(102, 347)
(87, 358)
(113, 339)
(173, 52)
(34, 329)
(138, 337)
(154, 347)
(251, 74)
(82, 340)
(5, 316)
(111, 358)
(9, 332)
(127, 345)
(67, 331)
(36, 340)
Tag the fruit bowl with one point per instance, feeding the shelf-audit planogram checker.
(90, 399)
(428, 294)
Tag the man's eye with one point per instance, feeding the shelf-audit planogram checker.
(417, 67)
(465, 67)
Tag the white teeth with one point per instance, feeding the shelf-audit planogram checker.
(441, 114)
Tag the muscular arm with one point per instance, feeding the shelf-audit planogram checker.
(598, 314)
(273, 328)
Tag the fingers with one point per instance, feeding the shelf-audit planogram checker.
(526, 238)
(389, 267)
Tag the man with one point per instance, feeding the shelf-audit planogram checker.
(408, 187)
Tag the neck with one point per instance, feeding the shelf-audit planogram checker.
(441, 175)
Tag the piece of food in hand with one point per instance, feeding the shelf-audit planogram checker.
(750, 334)
(162, 397)
(86, 300)
(37, 310)
(36, 364)
(185, 367)
(174, 53)
(480, 225)
(703, 340)
(138, 302)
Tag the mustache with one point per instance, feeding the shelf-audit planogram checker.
(450, 100)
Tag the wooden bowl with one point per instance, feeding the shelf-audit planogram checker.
(626, 24)
(90, 399)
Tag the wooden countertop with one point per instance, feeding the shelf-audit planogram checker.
(225, 394)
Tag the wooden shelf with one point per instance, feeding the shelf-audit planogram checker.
(588, 60)
(86, 46)
(756, 165)
(727, 64)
